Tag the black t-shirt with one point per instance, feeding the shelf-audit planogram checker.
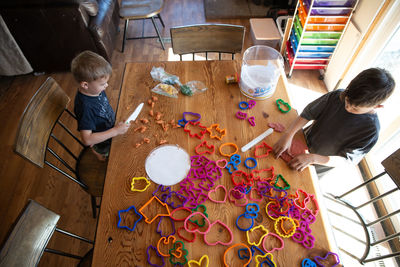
(94, 112)
(336, 132)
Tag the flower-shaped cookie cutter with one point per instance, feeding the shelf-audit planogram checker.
(209, 148)
(204, 208)
(280, 102)
(154, 198)
(119, 225)
(136, 179)
(219, 133)
(199, 134)
(158, 255)
(218, 222)
(228, 144)
(280, 228)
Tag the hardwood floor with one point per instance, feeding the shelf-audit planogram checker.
(20, 180)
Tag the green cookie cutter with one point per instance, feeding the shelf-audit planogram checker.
(280, 102)
(182, 253)
(279, 176)
(204, 212)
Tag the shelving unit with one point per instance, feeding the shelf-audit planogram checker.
(318, 26)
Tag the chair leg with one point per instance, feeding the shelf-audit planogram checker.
(162, 22)
(158, 32)
(124, 37)
(94, 206)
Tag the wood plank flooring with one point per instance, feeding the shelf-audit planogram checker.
(20, 180)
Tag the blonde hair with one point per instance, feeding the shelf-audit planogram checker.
(89, 66)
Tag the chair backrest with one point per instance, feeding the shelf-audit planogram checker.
(391, 165)
(221, 38)
(30, 236)
(38, 120)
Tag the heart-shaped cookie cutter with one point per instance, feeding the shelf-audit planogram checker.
(218, 241)
(197, 230)
(200, 262)
(214, 191)
(282, 244)
(318, 258)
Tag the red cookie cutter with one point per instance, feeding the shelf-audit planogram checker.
(196, 124)
(209, 149)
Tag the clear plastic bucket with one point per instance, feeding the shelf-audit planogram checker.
(260, 72)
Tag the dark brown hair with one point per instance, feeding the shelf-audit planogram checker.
(89, 66)
(369, 88)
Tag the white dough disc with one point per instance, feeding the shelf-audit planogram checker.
(167, 164)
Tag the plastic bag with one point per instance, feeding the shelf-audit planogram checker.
(159, 74)
(166, 90)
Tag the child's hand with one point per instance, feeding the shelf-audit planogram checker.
(282, 145)
(122, 127)
(300, 162)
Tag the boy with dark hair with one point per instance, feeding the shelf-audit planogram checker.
(345, 124)
(95, 116)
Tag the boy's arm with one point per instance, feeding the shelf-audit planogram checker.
(300, 162)
(285, 141)
(89, 138)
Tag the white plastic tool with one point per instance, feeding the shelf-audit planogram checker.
(257, 139)
(134, 115)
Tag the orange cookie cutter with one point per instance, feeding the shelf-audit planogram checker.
(221, 132)
(147, 219)
(236, 245)
(166, 241)
(228, 144)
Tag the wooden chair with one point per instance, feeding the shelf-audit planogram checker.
(392, 170)
(30, 236)
(36, 130)
(219, 38)
(141, 9)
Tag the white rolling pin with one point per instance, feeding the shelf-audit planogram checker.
(257, 139)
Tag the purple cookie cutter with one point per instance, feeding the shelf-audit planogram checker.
(318, 258)
(158, 230)
(158, 254)
(197, 115)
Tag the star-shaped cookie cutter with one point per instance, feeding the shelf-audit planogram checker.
(119, 225)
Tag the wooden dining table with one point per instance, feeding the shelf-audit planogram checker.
(217, 105)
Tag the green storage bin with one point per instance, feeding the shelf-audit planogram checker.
(322, 35)
(306, 41)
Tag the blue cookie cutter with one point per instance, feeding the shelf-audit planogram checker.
(246, 105)
(120, 219)
(253, 160)
(245, 216)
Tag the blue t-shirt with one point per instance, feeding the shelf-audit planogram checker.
(94, 112)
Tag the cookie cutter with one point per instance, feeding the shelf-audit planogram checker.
(231, 167)
(197, 229)
(232, 247)
(209, 148)
(166, 241)
(251, 103)
(263, 145)
(280, 102)
(206, 184)
(218, 241)
(171, 203)
(158, 254)
(243, 105)
(213, 191)
(270, 213)
(222, 160)
(257, 192)
(200, 262)
(251, 120)
(204, 212)
(313, 200)
(279, 226)
(161, 189)
(214, 174)
(247, 180)
(182, 252)
(267, 259)
(308, 263)
(279, 176)
(228, 144)
(184, 238)
(199, 135)
(274, 248)
(134, 179)
(177, 210)
(182, 122)
(240, 200)
(148, 220)
(253, 160)
(241, 115)
(318, 258)
(120, 218)
(158, 230)
(262, 179)
(197, 115)
(244, 216)
(221, 132)
(261, 238)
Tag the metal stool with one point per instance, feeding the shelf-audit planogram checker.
(141, 9)
(30, 236)
(391, 165)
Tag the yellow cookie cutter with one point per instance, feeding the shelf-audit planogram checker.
(200, 262)
(218, 130)
(279, 227)
(259, 259)
(134, 179)
(228, 144)
(261, 238)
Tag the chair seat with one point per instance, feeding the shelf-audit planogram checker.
(140, 9)
(91, 172)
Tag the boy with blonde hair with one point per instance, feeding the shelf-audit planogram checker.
(95, 116)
